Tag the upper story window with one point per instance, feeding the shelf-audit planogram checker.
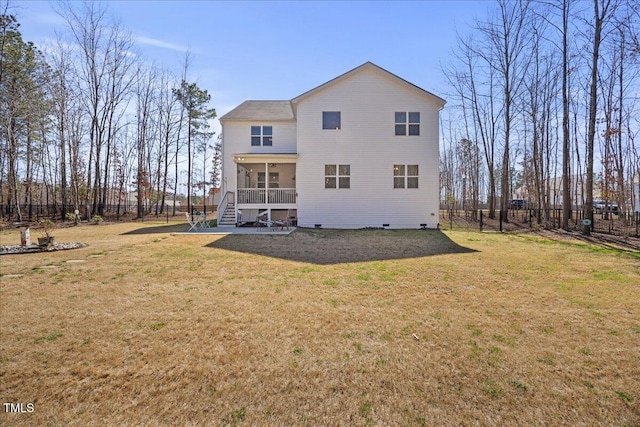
(405, 176)
(407, 123)
(261, 135)
(331, 120)
(337, 176)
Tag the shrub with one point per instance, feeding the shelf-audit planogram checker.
(46, 226)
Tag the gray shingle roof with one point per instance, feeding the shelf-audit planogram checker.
(261, 110)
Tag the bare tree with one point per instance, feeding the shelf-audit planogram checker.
(507, 39)
(563, 12)
(105, 62)
(487, 113)
(602, 11)
(144, 102)
(562, 87)
(167, 105)
(540, 87)
(64, 99)
(180, 124)
(566, 137)
(461, 77)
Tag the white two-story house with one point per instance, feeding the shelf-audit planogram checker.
(358, 151)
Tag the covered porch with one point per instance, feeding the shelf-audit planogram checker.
(266, 181)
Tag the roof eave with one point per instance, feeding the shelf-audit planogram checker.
(225, 119)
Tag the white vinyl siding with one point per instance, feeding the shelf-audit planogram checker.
(237, 137)
(366, 142)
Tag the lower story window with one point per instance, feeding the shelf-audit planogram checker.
(405, 176)
(337, 176)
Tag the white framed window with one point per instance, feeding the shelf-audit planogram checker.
(407, 123)
(261, 135)
(398, 176)
(274, 180)
(412, 176)
(337, 176)
(405, 176)
(331, 120)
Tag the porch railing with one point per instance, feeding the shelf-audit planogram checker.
(251, 195)
(264, 196)
(281, 195)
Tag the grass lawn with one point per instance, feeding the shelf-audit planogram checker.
(321, 327)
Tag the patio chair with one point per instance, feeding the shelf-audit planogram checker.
(262, 223)
(197, 222)
(282, 224)
(291, 219)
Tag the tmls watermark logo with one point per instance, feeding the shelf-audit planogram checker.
(19, 408)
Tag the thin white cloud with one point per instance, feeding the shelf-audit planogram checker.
(149, 41)
(49, 18)
(50, 46)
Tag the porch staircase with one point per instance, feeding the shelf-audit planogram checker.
(228, 217)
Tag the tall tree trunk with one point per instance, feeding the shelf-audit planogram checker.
(566, 143)
(599, 15)
(13, 169)
(189, 132)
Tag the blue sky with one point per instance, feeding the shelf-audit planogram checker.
(278, 50)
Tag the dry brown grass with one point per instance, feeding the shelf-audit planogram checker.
(319, 328)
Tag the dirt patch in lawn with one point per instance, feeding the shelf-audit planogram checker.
(344, 246)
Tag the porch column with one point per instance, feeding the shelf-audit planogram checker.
(266, 185)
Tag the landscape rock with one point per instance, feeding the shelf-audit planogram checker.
(17, 249)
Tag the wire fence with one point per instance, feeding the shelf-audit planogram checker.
(516, 219)
(58, 212)
(607, 223)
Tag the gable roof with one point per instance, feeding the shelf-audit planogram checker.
(371, 66)
(283, 110)
(261, 111)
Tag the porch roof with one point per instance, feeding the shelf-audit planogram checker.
(265, 158)
(261, 111)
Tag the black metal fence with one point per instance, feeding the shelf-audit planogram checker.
(58, 212)
(609, 223)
